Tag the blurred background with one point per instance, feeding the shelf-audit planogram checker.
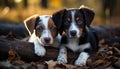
(15, 11)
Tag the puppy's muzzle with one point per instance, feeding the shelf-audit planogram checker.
(47, 39)
(73, 33)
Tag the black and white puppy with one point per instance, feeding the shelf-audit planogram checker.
(77, 36)
(43, 32)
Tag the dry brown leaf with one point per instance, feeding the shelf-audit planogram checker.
(99, 62)
(13, 55)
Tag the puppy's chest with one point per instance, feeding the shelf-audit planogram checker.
(55, 44)
(75, 47)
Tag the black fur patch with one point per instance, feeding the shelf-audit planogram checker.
(64, 39)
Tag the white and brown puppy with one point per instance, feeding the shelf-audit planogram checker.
(78, 37)
(42, 31)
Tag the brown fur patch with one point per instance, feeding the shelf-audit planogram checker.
(50, 23)
(39, 29)
(69, 20)
(30, 23)
(77, 18)
(52, 27)
(81, 30)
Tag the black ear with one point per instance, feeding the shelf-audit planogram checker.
(57, 18)
(88, 15)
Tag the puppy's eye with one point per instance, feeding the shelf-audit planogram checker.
(53, 28)
(79, 22)
(40, 29)
(67, 23)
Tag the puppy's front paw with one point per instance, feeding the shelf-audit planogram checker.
(80, 62)
(82, 59)
(62, 59)
(40, 51)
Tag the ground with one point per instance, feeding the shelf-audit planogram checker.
(107, 57)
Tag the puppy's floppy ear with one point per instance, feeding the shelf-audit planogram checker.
(30, 23)
(57, 18)
(88, 15)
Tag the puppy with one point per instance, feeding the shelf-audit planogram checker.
(43, 32)
(77, 36)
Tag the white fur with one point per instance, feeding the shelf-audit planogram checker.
(62, 57)
(82, 59)
(73, 45)
(32, 37)
(39, 42)
(38, 48)
(46, 32)
(73, 25)
(45, 19)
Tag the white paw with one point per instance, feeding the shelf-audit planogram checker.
(82, 59)
(40, 51)
(62, 59)
(80, 62)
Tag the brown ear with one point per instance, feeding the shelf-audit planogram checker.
(30, 23)
(88, 15)
(57, 18)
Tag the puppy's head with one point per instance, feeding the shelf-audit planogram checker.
(43, 27)
(74, 21)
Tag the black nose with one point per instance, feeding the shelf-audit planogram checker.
(47, 39)
(73, 33)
